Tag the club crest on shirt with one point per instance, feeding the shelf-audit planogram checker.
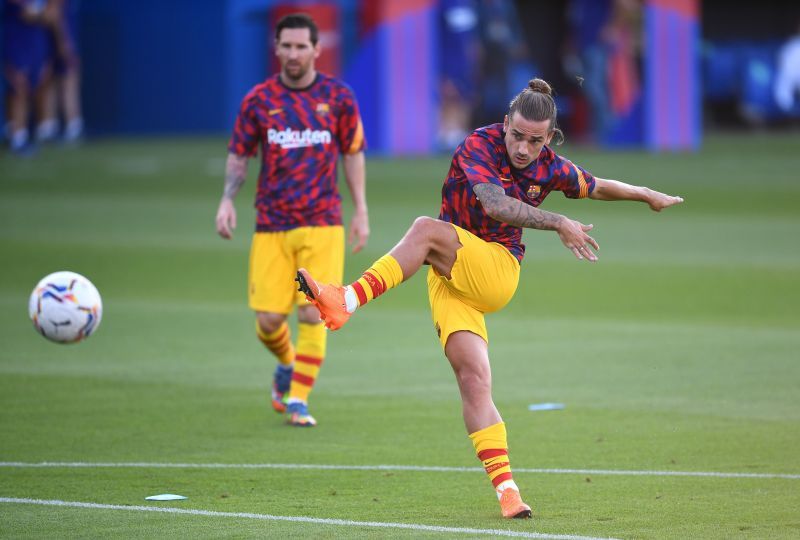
(534, 191)
(323, 108)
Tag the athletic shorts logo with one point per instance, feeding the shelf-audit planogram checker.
(294, 138)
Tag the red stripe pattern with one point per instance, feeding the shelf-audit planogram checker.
(376, 284)
(500, 478)
(491, 453)
(494, 459)
(308, 360)
(362, 295)
(302, 379)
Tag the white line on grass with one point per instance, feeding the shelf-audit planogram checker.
(413, 468)
(300, 519)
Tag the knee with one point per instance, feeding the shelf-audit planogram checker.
(474, 383)
(424, 223)
(425, 228)
(270, 322)
(308, 315)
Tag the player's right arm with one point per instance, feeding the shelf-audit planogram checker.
(235, 175)
(501, 207)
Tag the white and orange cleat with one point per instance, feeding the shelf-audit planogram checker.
(512, 506)
(329, 299)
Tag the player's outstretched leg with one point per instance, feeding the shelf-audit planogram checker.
(328, 299)
(336, 303)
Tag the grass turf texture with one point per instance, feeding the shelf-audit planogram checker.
(676, 352)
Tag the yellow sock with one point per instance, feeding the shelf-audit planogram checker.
(311, 341)
(492, 448)
(278, 342)
(384, 274)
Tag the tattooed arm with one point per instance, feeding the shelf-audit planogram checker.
(501, 207)
(235, 175)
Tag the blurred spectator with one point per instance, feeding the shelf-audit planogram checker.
(504, 59)
(623, 37)
(62, 99)
(26, 67)
(589, 20)
(605, 36)
(787, 77)
(459, 58)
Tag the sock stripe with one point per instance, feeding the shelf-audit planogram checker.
(268, 340)
(282, 349)
(360, 293)
(500, 478)
(308, 360)
(491, 453)
(374, 284)
(302, 379)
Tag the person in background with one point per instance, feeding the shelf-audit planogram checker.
(302, 121)
(459, 50)
(26, 69)
(787, 76)
(62, 96)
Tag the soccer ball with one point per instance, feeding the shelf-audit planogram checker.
(65, 307)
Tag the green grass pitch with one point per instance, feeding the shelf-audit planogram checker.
(676, 352)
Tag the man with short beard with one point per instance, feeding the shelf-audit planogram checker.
(301, 120)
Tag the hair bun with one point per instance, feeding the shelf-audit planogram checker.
(540, 85)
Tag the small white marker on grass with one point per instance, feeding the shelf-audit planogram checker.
(165, 497)
(545, 406)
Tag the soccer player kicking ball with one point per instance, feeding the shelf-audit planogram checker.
(301, 120)
(497, 178)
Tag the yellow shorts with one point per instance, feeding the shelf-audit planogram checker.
(484, 279)
(276, 256)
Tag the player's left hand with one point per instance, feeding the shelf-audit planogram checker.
(359, 231)
(658, 201)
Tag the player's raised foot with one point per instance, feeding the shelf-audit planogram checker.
(512, 506)
(329, 299)
(297, 415)
(281, 381)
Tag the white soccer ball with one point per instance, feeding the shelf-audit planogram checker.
(65, 307)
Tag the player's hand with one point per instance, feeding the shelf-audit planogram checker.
(226, 218)
(658, 201)
(573, 236)
(359, 231)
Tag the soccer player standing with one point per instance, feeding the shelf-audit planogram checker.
(301, 120)
(497, 178)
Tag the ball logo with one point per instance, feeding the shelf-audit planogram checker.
(294, 138)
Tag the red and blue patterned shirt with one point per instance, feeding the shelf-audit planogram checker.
(300, 133)
(482, 158)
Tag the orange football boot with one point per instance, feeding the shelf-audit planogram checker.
(512, 506)
(329, 299)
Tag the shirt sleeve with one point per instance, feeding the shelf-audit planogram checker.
(477, 159)
(350, 128)
(246, 133)
(575, 182)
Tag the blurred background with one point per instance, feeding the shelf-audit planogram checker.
(654, 74)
